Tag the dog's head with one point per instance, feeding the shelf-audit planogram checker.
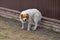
(24, 17)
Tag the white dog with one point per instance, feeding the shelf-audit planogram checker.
(30, 15)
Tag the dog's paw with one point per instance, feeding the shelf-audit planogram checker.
(22, 28)
(33, 29)
(28, 29)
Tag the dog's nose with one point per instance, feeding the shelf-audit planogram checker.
(25, 19)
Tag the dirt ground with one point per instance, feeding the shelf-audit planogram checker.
(10, 30)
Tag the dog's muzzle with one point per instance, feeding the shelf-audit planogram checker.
(24, 19)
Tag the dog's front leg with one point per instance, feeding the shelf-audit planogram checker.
(22, 26)
(29, 25)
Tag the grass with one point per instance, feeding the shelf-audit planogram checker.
(10, 30)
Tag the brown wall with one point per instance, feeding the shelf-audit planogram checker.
(49, 8)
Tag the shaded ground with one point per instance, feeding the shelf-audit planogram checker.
(10, 30)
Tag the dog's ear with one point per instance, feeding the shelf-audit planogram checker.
(21, 16)
(27, 16)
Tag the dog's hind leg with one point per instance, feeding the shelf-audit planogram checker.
(35, 24)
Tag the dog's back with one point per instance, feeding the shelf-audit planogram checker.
(32, 12)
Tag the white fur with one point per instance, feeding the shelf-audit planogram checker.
(34, 15)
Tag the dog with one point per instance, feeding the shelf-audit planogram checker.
(30, 15)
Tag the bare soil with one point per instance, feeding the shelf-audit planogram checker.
(10, 30)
